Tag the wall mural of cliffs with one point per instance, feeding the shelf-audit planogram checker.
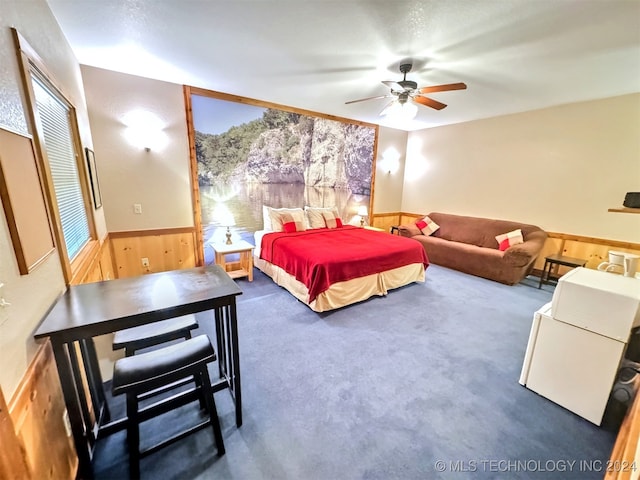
(250, 156)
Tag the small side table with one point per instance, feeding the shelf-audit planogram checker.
(394, 230)
(556, 260)
(241, 268)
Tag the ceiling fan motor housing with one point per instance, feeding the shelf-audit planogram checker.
(408, 84)
(404, 83)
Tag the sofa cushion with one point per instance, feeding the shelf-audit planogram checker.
(427, 226)
(509, 239)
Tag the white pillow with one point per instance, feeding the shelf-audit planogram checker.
(266, 216)
(274, 223)
(315, 218)
(509, 239)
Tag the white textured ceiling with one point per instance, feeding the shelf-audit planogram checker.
(514, 55)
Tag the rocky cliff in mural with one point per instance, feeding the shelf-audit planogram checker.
(288, 148)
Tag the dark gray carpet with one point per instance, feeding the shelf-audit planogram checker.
(382, 390)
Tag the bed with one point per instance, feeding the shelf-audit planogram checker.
(328, 268)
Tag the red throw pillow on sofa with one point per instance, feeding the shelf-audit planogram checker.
(509, 239)
(427, 226)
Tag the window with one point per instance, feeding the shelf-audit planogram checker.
(54, 128)
(58, 143)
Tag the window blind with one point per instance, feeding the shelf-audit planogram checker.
(56, 126)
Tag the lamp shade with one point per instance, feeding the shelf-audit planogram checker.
(362, 211)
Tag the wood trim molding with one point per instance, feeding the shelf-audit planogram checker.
(193, 170)
(622, 462)
(624, 210)
(594, 240)
(374, 162)
(150, 232)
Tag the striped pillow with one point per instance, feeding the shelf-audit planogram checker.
(427, 226)
(290, 221)
(331, 220)
(509, 239)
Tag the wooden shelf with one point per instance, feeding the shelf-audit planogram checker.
(624, 210)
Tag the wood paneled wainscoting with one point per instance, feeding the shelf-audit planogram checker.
(594, 250)
(164, 249)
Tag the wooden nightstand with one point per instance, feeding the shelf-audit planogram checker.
(236, 269)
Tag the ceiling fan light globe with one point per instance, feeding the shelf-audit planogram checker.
(401, 112)
(409, 111)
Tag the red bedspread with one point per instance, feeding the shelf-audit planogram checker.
(320, 257)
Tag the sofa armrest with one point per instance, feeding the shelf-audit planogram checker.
(525, 253)
(410, 230)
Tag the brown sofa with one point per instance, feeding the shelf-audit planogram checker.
(468, 244)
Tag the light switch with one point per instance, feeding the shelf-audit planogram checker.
(137, 208)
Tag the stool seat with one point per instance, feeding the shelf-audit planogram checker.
(143, 336)
(144, 371)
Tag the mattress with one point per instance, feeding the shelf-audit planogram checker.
(342, 293)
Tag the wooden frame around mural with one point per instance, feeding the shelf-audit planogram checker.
(188, 91)
(23, 200)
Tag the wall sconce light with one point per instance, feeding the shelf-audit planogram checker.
(144, 130)
(390, 160)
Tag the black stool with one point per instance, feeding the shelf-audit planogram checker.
(155, 333)
(145, 372)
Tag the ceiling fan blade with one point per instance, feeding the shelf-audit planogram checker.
(429, 102)
(368, 98)
(393, 85)
(388, 108)
(443, 88)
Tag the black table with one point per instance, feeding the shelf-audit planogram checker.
(557, 259)
(88, 310)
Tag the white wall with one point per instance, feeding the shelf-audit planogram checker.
(159, 180)
(31, 295)
(387, 189)
(560, 168)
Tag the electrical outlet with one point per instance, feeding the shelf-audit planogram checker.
(137, 208)
(145, 262)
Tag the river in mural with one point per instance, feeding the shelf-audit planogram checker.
(239, 206)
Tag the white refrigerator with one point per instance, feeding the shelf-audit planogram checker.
(577, 341)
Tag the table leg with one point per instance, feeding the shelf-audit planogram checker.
(65, 372)
(96, 385)
(546, 262)
(228, 355)
(236, 362)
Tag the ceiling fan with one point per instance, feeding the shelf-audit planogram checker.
(406, 90)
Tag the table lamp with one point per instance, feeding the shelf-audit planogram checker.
(362, 213)
(229, 222)
(225, 219)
